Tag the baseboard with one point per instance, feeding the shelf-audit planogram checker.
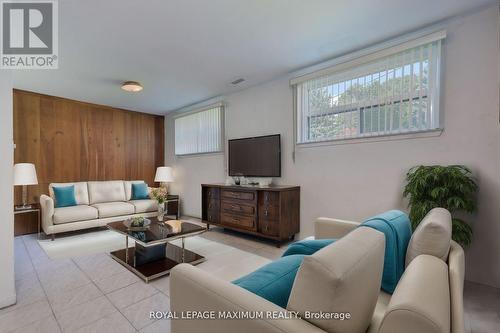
(8, 301)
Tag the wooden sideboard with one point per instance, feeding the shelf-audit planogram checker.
(271, 212)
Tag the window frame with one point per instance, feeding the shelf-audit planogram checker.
(221, 137)
(351, 62)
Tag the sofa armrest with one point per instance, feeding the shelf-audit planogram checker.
(421, 301)
(456, 271)
(192, 289)
(47, 206)
(332, 228)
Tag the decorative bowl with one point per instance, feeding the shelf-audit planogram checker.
(128, 223)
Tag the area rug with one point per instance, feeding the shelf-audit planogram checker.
(223, 260)
(83, 244)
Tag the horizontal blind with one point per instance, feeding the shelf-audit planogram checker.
(199, 132)
(395, 94)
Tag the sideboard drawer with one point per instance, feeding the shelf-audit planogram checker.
(238, 208)
(213, 204)
(212, 192)
(269, 212)
(269, 198)
(269, 227)
(240, 195)
(247, 222)
(213, 216)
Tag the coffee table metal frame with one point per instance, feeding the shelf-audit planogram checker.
(125, 261)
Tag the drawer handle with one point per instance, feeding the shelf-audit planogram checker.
(266, 213)
(236, 207)
(210, 217)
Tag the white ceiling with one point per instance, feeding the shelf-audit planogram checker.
(185, 51)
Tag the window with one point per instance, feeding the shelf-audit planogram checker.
(393, 92)
(199, 132)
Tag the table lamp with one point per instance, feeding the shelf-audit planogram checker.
(25, 174)
(164, 176)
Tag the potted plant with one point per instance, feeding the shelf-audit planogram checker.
(452, 187)
(160, 195)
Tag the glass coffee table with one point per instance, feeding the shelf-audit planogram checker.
(153, 256)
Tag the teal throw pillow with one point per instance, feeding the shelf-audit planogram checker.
(307, 246)
(140, 191)
(273, 281)
(65, 196)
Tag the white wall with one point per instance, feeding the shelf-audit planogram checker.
(7, 290)
(354, 181)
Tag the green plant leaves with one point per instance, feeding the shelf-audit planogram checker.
(452, 187)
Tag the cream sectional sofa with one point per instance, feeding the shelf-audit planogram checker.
(344, 276)
(98, 203)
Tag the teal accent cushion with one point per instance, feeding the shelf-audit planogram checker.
(140, 191)
(273, 281)
(395, 225)
(307, 246)
(65, 196)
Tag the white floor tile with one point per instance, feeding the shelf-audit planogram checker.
(45, 325)
(138, 313)
(28, 291)
(113, 323)
(117, 281)
(24, 316)
(66, 300)
(159, 326)
(162, 284)
(84, 314)
(131, 294)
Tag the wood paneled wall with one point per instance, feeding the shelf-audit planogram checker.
(71, 141)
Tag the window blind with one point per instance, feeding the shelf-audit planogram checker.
(397, 93)
(199, 132)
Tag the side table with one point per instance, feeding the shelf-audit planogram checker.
(27, 221)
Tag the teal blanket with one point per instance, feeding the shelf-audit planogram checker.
(397, 230)
(274, 281)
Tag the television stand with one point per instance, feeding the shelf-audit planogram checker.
(271, 212)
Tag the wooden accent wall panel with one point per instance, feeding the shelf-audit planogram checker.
(71, 141)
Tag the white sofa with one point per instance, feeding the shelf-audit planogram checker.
(344, 276)
(98, 203)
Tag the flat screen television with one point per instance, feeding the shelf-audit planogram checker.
(255, 157)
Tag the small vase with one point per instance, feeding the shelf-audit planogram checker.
(161, 211)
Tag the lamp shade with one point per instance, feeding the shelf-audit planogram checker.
(25, 174)
(164, 175)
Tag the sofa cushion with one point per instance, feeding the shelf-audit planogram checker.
(144, 206)
(65, 196)
(273, 281)
(307, 246)
(397, 230)
(74, 214)
(109, 209)
(432, 236)
(128, 187)
(81, 191)
(108, 191)
(342, 277)
(140, 191)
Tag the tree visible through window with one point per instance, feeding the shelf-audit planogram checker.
(387, 96)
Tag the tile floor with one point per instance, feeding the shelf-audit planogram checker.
(96, 294)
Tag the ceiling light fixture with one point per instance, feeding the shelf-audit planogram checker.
(238, 81)
(132, 86)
